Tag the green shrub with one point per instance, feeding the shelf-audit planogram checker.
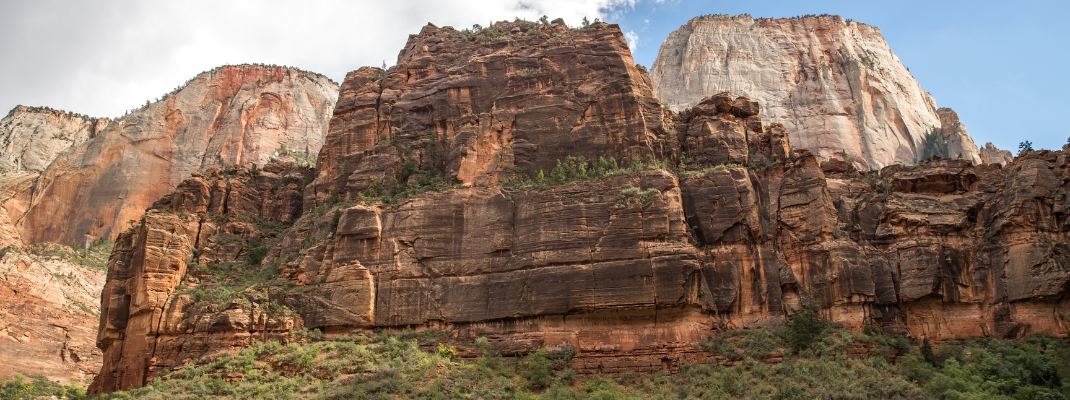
(35, 386)
(804, 329)
(334, 220)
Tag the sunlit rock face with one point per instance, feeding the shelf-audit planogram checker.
(835, 85)
(49, 307)
(91, 178)
(74, 179)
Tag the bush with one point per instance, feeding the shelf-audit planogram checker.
(804, 329)
(382, 365)
(337, 217)
(36, 386)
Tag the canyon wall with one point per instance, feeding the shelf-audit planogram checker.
(48, 309)
(478, 107)
(90, 178)
(31, 138)
(78, 180)
(835, 85)
(450, 195)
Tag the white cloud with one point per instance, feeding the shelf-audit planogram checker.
(633, 40)
(100, 58)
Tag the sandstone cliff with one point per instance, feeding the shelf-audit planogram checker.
(30, 140)
(990, 154)
(835, 85)
(48, 307)
(432, 208)
(91, 177)
(73, 179)
(479, 106)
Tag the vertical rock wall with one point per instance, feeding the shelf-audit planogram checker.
(835, 85)
(97, 184)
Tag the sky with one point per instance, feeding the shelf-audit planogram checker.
(1001, 65)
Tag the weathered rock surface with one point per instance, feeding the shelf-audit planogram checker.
(960, 145)
(32, 137)
(836, 86)
(30, 140)
(630, 269)
(231, 115)
(477, 107)
(48, 310)
(990, 154)
(147, 321)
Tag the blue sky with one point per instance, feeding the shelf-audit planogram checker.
(1000, 65)
(1003, 66)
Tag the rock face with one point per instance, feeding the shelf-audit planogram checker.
(73, 179)
(959, 143)
(477, 107)
(48, 308)
(836, 86)
(30, 140)
(109, 172)
(990, 154)
(146, 319)
(630, 267)
(33, 137)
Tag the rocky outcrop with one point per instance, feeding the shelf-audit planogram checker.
(477, 107)
(148, 319)
(405, 226)
(30, 140)
(74, 179)
(835, 85)
(48, 308)
(960, 145)
(721, 130)
(108, 175)
(32, 137)
(990, 154)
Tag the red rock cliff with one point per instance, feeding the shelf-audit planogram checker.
(476, 107)
(230, 115)
(630, 269)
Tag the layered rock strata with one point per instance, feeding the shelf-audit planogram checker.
(147, 319)
(479, 106)
(31, 138)
(92, 177)
(630, 267)
(835, 85)
(48, 309)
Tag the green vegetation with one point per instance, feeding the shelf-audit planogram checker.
(804, 358)
(633, 195)
(578, 168)
(801, 359)
(305, 159)
(226, 281)
(934, 144)
(94, 257)
(36, 386)
(686, 172)
(223, 283)
(1027, 147)
(393, 191)
(364, 365)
